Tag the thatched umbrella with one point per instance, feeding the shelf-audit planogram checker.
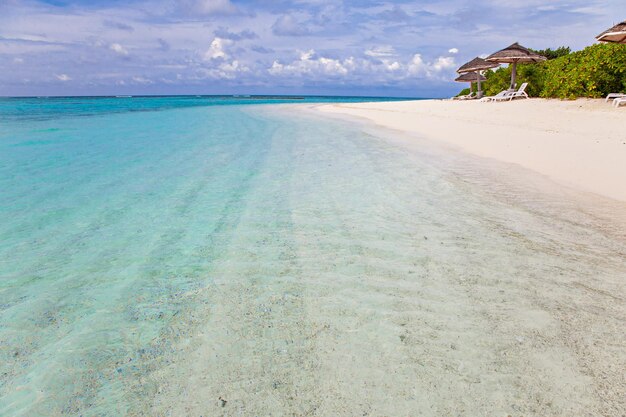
(476, 65)
(471, 77)
(616, 34)
(512, 55)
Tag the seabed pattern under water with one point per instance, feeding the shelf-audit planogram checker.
(260, 260)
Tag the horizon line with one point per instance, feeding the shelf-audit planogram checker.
(242, 96)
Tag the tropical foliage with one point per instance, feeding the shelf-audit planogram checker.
(554, 53)
(593, 72)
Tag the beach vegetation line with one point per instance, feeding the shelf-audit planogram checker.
(593, 72)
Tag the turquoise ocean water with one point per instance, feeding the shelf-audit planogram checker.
(163, 256)
(112, 209)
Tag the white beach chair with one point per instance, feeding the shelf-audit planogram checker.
(509, 95)
(613, 96)
(500, 95)
(619, 101)
(469, 96)
(521, 93)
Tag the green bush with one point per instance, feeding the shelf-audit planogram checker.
(593, 72)
(497, 80)
(554, 53)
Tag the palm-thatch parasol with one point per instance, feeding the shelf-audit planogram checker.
(470, 77)
(616, 34)
(476, 65)
(512, 55)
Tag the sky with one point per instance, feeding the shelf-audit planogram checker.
(326, 47)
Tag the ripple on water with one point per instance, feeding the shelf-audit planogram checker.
(254, 261)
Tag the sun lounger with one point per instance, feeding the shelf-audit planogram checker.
(501, 94)
(509, 95)
(619, 101)
(521, 93)
(469, 96)
(613, 96)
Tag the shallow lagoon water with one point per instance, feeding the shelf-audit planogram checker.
(254, 260)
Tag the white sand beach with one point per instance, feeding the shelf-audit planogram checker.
(579, 143)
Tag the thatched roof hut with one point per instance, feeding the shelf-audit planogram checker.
(476, 64)
(470, 77)
(616, 34)
(514, 54)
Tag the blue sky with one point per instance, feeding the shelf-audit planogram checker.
(366, 47)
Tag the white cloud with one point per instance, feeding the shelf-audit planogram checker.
(230, 70)
(443, 63)
(63, 77)
(417, 66)
(392, 66)
(453, 51)
(216, 49)
(118, 49)
(380, 51)
(224, 71)
(306, 56)
(310, 65)
(18, 61)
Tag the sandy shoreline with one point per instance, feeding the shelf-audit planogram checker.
(580, 144)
